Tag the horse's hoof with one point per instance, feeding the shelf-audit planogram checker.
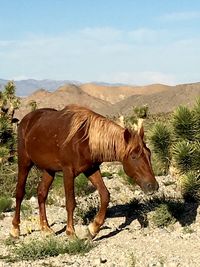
(71, 235)
(47, 231)
(91, 232)
(15, 232)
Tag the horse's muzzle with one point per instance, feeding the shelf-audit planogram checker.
(151, 188)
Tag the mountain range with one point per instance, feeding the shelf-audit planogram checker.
(107, 99)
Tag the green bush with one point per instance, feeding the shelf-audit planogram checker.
(49, 247)
(162, 216)
(126, 178)
(82, 186)
(138, 112)
(8, 181)
(5, 204)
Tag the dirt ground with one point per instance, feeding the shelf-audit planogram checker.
(127, 238)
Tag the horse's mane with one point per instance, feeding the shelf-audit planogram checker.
(106, 138)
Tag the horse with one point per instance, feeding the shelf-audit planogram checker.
(77, 140)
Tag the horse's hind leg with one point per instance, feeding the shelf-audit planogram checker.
(70, 200)
(24, 166)
(99, 219)
(43, 189)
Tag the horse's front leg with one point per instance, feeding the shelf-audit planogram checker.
(43, 189)
(99, 219)
(70, 200)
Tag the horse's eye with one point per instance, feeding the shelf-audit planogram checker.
(134, 156)
(136, 153)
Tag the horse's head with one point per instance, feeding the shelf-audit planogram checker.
(137, 161)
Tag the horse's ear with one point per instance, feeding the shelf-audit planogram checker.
(127, 135)
(140, 128)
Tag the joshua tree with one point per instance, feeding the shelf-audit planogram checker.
(8, 104)
(177, 145)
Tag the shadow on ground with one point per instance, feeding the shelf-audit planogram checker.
(183, 212)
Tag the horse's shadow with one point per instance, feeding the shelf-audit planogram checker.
(184, 212)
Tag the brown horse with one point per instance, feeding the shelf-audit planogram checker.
(77, 140)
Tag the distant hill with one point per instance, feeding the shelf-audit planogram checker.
(107, 99)
(165, 100)
(68, 94)
(27, 87)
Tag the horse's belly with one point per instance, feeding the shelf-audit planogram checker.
(44, 156)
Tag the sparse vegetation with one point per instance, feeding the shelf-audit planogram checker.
(107, 174)
(48, 247)
(125, 177)
(5, 204)
(162, 216)
(33, 105)
(86, 215)
(82, 186)
(26, 209)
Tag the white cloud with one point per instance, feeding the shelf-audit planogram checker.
(144, 35)
(105, 34)
(139, 78)
(139, 56)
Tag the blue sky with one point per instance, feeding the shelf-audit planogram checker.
(133, 42)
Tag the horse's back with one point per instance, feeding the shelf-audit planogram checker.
(31, 118)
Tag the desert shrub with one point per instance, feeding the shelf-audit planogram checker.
(125, 177)
(57, 187)
(26, 209)
(86, 215)
(162, 216)
(8, 173)
(5, 204)
(8, 181)
(137, 112)
(49, 247)
(82, 186)
(107, 174)
(32, 182)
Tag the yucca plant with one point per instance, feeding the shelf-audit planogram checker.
(196, 115)
(183, 154)
(181, 146)
(8, 104)
(33, 105)
(196, 156)
(160, 141)
(183, 124)
(190, 185)
(141, 112)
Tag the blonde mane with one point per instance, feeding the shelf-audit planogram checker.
(106, 138)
